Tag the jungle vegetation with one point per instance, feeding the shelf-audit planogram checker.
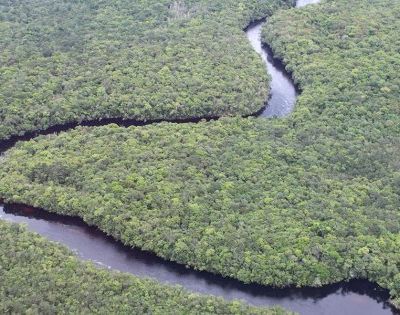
(64, 62)
(306, 200)
(41, 277)
(232, 196)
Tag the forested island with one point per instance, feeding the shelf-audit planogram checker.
(306, 200)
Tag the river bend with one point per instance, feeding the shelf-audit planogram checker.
(89, 243)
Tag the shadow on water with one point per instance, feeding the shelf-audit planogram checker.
(283, 92)
(8, 144)
(354, 297)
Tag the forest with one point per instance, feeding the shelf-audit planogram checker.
(310, 199)
(44, 278)
(231, 196)
(64, 62)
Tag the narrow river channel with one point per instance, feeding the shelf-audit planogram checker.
(89, 243)
(283, 92)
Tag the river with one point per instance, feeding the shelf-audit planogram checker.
(89, 243)
(283, 92)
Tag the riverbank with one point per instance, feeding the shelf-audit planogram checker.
(316, 192)
(43, 277)
(89, 243)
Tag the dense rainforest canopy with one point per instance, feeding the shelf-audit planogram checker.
(68, 61)
(306, 200)
(44, 278)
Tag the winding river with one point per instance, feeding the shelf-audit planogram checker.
(89, 243)
(283, 93)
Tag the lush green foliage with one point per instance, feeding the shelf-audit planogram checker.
(345, 57)
(232, 196)
(40, 277)
(79, 60)
(311, 199)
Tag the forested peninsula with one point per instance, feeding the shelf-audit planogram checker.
(66, 62)
(310, 199)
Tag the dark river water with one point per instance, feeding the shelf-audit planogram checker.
(89, 243)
